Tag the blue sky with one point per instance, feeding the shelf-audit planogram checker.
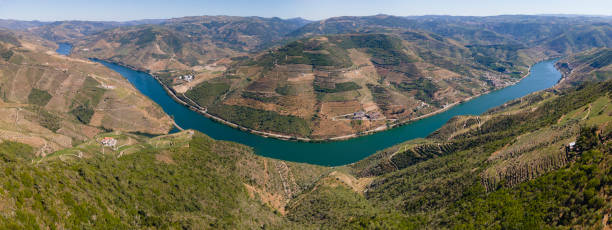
(121, 10)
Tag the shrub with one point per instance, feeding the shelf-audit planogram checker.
(207, 93)
(262, 119)
(338, 87)
(39, 97)
(83, 112)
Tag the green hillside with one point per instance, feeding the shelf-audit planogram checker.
(507, 168)
(396, 77)
(594, 65)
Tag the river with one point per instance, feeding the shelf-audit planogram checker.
(64, 48)
(543, 75)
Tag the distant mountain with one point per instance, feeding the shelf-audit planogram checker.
(534, 31)
(186, 43)
(19, 25)
(70, 31)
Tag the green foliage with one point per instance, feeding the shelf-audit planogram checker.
(6, 54)
(83, 112)
(385, 49)
(199, 190)
(90, 91)
(564, 197)
(404, 177)
(331, 206)
(145, 36)
(86, 99)
(602, 59)
(207, 93)
(39, 97)
(160, 56)
(425, 89)
(261, 119)
(286, 90)
(588, 139)
(263, 97)
(48, 120)
(338, 87)
(306, 51)
(14, 151)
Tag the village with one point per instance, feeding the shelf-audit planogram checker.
(361, 115)
(187, 77)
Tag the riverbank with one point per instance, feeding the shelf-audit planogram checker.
(204, 112)
(333, 153)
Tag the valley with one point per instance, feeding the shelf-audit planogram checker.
(368, 74)
(542, 76)
(364, 122)
(484, 167)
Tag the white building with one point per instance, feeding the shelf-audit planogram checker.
(109, 142)
(187, 78)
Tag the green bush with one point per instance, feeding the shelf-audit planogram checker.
(261, 119)
(338, 87)
(425, 89)
(562, 197)
(39, 97)
(259, 96)
(207, 93)
(48, 120)
(83, 112)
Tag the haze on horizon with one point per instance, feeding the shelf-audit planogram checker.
(117, 10)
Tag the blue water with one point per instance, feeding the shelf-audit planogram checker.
(543, 75)
(64, 49)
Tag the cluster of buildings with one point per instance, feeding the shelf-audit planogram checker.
(187, 78)
(109, 142)
(361, 115)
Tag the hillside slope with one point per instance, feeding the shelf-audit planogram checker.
(343, 76)
(552, 34)
(189, 43)
(51, 101)
(510, 167)
(71, 31)
(337, 85)
(594, 65)
(179, 181)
